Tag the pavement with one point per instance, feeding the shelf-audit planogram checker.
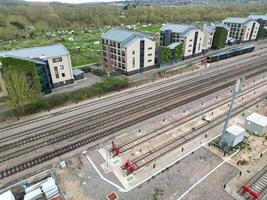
(89, 79)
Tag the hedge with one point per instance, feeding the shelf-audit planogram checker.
(107, 84)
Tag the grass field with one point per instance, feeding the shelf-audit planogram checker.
(83, 45)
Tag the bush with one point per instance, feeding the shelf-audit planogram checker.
(108, 84)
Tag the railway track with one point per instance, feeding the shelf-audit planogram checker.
(145, 103)
(83, 116)
(195, 114)
(72, 109)
(17, 151)
(258, 183)
(67, 148)
(50, 155)
(175, 143)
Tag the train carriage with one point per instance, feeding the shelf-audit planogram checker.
(230, 53)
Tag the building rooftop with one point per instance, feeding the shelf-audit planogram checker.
(178, 28)
(37, 52)
(209, 28)
(122, 36)
(223, 26)
(257, 119)
(235, 130)
(174, 44)
(255, 17)
(237, 20)
(77, 72)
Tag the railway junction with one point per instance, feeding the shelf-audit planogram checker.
(154, 140)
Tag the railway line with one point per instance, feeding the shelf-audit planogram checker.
(76, 121)
(72, 109)
(50, 155)
(175, 143)
(91, 138)
(18, 148)
(190, 116)
(258, 183)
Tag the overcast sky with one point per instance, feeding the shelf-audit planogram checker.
(74, 1)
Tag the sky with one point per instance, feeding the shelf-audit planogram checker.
(73, 1)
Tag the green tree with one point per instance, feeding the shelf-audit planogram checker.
(19, 92)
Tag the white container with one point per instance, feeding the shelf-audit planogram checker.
(256, 123)
(7, 196)
(234, 135)
(33, 195)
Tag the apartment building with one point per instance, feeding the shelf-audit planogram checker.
(209, 31)
(242, 29)
(127, 51)
(52, 62)
(191, 37)
(261, 19)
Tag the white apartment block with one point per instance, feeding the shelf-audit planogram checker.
(242, 29)
(130, 52)
(191, 37)
(208, 31)
(262, 19)
(56, 59)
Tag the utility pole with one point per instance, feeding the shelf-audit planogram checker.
(236, 91)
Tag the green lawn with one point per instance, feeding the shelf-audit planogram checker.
(149, 29)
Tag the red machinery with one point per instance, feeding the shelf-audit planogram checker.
(115, 149)
(204, 61)
(129, 167)
(254, 194)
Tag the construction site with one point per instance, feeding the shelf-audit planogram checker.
(196, 135)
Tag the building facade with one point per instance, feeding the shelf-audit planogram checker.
(52, 61)
(209, 31)
(191, 37)
(127, 51)
(242, 29)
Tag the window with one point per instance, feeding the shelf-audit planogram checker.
(56, 72)
(191, 40)
(199, 46)
(133, 62)
(61, 67)
(150, 48)
(63, 74)
(55, 60)
(149, 61)
(133, 52)
(189, 50)
(150, 54)
(190, 45)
